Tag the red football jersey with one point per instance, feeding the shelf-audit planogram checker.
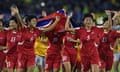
(55, 39)
(107, 42)
(13, 38)
(66, 39)
(29, 39)
(2, 38)
(89, 39)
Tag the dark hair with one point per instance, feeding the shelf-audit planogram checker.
(30, 17)
(105, 19)
(26, 17)
(14, 18)
(88, 15)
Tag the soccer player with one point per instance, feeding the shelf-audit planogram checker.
(69, 55)
(89, 36)
(27, 57)
(41, 45)
(53, 58)
(2, 45)
(13, 38)
(107, 43)
(116, 26)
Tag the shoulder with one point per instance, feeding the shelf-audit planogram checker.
(79, 29)
(98, 29)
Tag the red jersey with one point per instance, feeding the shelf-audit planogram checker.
(66, 41)
(107, 42)
(55, 39)
(29, 40)
(2, 39)
(89, 39)
(13, 38)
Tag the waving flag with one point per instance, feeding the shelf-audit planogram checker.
(60, 27)
(48, 20)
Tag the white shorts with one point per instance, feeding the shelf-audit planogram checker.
(40, 60)
(117, 56)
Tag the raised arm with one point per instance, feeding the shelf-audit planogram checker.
(67, 28)
(52, 25)
(15, 12)
(44, 13)
(76, 41)
(116, 14)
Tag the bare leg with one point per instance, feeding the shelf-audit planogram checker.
(67, 66)
(30, 69)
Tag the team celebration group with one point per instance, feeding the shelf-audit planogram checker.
(89, 48)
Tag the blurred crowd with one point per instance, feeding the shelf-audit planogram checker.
(79, 7)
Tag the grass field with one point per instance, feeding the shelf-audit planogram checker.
(119, 69)
(36, 70)
(61, 70)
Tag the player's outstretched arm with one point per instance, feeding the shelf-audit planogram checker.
(116, 14)
(52, 25)
(76, 41)
(67, 28)
(15, 12)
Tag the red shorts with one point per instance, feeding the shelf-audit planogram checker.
(109, 62)
(89, 59)
(70, 55)
(52, 61)
(11, 60)
(25, 60)
(2, 59)
(102, 64)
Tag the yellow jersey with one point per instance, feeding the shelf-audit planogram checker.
(40, 46)
(117, 46)
(117, 49)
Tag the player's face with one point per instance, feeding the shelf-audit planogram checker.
(33, 22)
(106, 24)
(1, 25)
(88, 21)
(12, 24)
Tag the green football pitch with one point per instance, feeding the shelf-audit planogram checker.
(61, 69)
(36, 70)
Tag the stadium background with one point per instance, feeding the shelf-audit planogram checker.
(78, 7)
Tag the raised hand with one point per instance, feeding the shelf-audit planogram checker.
(70, 15)
(57, 18)
(14, 10)
(115, 12)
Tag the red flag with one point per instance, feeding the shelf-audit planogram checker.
(45, 22)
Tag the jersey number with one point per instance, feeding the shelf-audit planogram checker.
(13, 39)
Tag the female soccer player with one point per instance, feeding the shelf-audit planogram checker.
(26, 56)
